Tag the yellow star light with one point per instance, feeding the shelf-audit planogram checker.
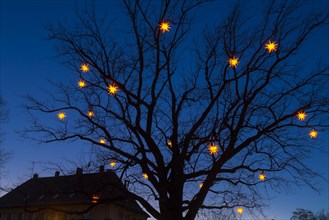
(164, 26)
(61, 115)
(239, 210)
(91, 114)
(313, 134)
(102, 141)
(112, 89)
(82, 84)
(84, 67)
(301, 115)
(213, 149)
(262, 177)
(233, 62)
(145, 176)
(271, 46)
(113, 163)
(200, 185)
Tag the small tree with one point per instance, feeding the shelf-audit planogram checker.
(205, 133)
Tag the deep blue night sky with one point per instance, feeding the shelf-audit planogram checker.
(28, 61)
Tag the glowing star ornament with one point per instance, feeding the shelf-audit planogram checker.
(91, 114)
(301, 116)
(271, 46)
(240, 210)
(164, 26)
(213, 149)
(82, 84)
(313, 134)
(262, 177)
(102, 141)
(233, 62)
(113, 163)
(84, 67)
(61, 115)
(145, 176)
(113, 89)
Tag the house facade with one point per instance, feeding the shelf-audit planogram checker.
(95, 196)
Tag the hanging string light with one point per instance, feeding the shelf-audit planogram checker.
(233, 62)
(61, 115)
(164, 26)
(91, 114)
(271, 46)
(301, 115)
(213, 149)
(102, 141)
(84, 67)
(262, 177)
(313, 134)
(113, 163)
(240, 210)
(113, 89)
(145, 176)
(82, 84)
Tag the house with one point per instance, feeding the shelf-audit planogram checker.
(95, 196)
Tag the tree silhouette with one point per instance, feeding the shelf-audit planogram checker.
(206, 134)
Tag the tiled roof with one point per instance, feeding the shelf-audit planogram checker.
(74, 189)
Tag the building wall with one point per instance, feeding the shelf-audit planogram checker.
(99, 212)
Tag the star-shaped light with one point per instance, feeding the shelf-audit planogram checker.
(113, 163)
(164, 26)
(301, 115)
(145, 176)
(84, 67)
(271, 46)
(233, 62)
(213, 149)
(82, 84)
(61, 115)
(262, 177)
(239, 210)
(91, 114)
(112, 89)
(102, 141)
(313, 134)
(200, 185)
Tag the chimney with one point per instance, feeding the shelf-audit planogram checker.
(79, 171)
(101, 169)
(56, 173)
(35, 176)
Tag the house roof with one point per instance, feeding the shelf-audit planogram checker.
(79, 189)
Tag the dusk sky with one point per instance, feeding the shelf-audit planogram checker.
(28, 62)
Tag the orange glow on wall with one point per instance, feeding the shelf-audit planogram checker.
(301, 115)
(213, 149)
(313, 134)
(271, 46)
(233, 62)
(84, 67)
(61, 115)
(164, 26)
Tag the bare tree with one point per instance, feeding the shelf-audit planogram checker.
(160, 107)
(4, 154)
